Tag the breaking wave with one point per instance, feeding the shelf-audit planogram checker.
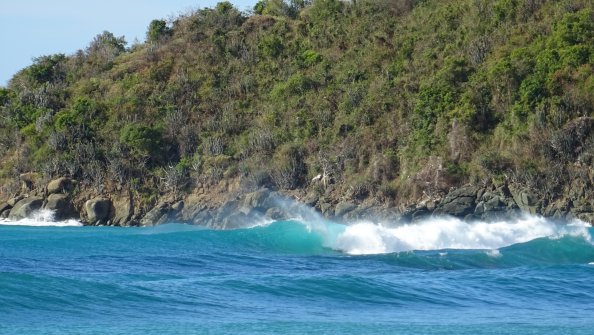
(41, 218)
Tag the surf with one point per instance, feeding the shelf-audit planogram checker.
(41, 218)
(309, 233)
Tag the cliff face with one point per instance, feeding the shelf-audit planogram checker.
(345, 106)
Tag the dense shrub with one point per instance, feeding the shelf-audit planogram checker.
(418, 95)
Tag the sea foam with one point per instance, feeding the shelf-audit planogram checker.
(41, 218)
(440, 233)
(451, 233)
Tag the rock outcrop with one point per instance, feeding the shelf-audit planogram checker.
(25, 207)
(62, 206)
(60, 185)
(97, 211)
(162, 213)
(4, 210)
(471, 202)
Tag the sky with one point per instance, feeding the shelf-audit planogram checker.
(33, 28)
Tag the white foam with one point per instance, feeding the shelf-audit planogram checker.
(450, 233)
(41, 218)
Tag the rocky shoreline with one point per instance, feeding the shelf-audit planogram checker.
(238, 209)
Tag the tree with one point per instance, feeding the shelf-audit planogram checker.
(157, 30)
(104, 48)
(47, 68)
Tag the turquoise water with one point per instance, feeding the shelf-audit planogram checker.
(298, 278)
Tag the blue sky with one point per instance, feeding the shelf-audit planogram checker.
(32, 28)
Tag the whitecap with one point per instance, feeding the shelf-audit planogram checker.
(441, 233)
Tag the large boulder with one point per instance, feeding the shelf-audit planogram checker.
(123, 211)
(60, 185)
(460, 202)
(62, 206)
(98, 210)
(25, 207)
(12, 201)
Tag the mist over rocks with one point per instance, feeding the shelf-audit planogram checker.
(61, 205)
(233, 208)
(25, 207)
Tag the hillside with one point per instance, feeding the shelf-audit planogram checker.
(389, 102)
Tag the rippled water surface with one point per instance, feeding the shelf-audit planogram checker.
(442, 276)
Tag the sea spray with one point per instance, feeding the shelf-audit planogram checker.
(451, 233)
(41, 218)
(433, 233)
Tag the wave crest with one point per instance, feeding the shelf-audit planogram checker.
(451, 233)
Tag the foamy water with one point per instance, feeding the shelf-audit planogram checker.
(367, 238)
(439, 233)
(41, 218)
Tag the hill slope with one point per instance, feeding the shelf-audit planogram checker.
(386, 101)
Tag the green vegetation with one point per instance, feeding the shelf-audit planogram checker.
(386, 98)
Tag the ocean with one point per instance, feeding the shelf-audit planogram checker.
(438, 276)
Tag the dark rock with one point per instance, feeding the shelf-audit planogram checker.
(311, 199)
(5, 208)
(256, 201)
(459, 202)
(494, 204)
(177, 207)
(229, 208)
(344, 207)
(193, 206)
(98, 210)
(202, 218)
(462, 192)
(156, 216)
(459, 207)
(62, 206)
(526, 200)
(420, 213)
(25, 207)
(60, 185)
